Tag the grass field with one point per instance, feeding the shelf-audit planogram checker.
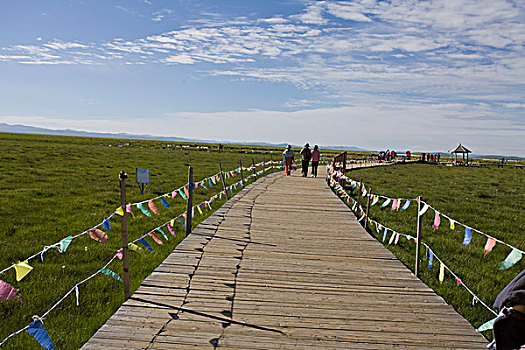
(52, 187)
(488, 199)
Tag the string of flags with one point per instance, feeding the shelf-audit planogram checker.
(513, 257)
(36, 328)
(23, 268)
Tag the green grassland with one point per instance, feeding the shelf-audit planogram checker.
(52, 187)
(488, 199)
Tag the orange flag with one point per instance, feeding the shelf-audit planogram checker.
(153, 207)
(155, 238)
(491, 242)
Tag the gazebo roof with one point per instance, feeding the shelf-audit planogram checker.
(460, 149)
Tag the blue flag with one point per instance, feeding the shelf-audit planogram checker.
(181, 223)
(165, 203)
(36, 329)
(468, 237)
(146, 244)
(430, 258)
(106, 224)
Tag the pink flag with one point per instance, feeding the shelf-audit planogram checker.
(170, 229)
(7, 292)
(458, 281)
(153, 207)
(491, 242)
(155, 238)
(98, 235)
(119, 254)
(186, 191)
(173, 194)
(128, 210)
(394, 204)
(437, 221)
(397, 239)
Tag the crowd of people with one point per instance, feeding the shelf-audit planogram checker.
(307, 155)
(431, 157)
(387, 155)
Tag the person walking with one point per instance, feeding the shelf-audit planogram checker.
(316, 155)
(306, 155)
(288, 157)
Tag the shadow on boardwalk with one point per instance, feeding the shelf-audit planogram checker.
(284, 265)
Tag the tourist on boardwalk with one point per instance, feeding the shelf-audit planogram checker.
(316, 155)
(288, 157)
(306, 155)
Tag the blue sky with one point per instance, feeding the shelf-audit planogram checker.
(419, 75)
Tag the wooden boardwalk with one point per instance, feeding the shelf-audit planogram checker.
(284, 265)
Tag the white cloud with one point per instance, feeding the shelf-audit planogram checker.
(313, 14)
(347, 11)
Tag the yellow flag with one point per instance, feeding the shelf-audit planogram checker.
(22, 269)
(135, 248)
(120, 211)
(172, 222)
(441, 273)
(452, 224)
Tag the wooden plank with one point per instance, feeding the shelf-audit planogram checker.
(284, 265)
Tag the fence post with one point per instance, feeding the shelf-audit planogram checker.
(359, 194)
(254, 172)
(124, 230)
(189, 207)
(223, 183)
(242, 176)
(368, 208)
(418, 235)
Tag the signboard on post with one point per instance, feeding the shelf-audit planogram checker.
(142, 179)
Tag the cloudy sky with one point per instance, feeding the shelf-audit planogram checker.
(419, 75)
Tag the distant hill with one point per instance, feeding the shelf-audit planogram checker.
(24, 129)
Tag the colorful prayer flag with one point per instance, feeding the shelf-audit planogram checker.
(146, 244)
(153, 207)
(119, 211)
(106, 224)
(36, 329)
(394, 204)
(441, 272)
(385, 203)
(143, 209)
(170, 229)
(128, 210)
(468, 236)
(98, 235)
(430, 258)
(452, 224)
(491, 242)
(7, 292)
(155, 238)
(162, 232)
(437, 221)
(135, 248)
(407, 203)
(110, 273)
(63, 244)
(513, 257)
(165, 203)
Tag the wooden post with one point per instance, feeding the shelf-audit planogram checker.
(242, 176)
(223, 183)
(359, 194)
(418, 235)
(254, 172)
(368, 208)
(189, 207)
(124, 230)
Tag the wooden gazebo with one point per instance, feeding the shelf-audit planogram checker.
(460, 149)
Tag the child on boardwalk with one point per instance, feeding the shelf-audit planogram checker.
(288, 157)
(316, 155)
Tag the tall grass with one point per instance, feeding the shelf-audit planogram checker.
(488, 199)
(52, 187)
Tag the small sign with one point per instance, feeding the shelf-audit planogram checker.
(142, 179)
